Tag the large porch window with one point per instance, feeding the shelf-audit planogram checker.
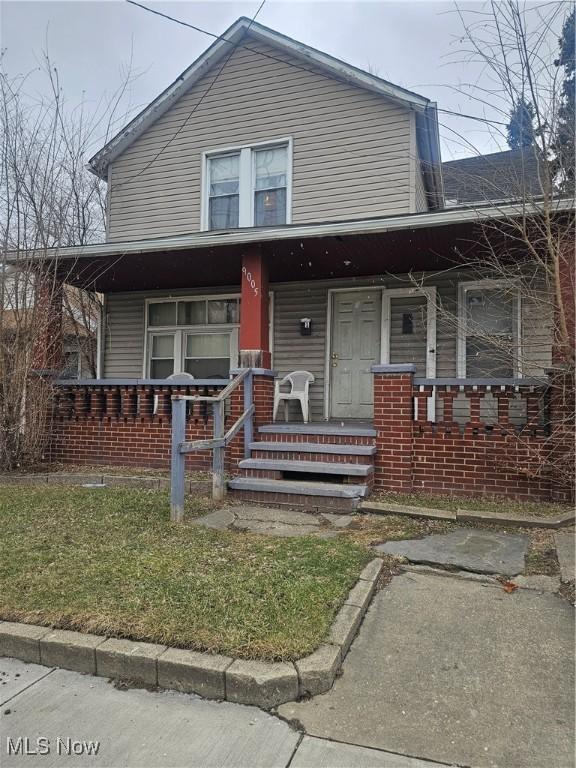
(198, 336)
(489, 330)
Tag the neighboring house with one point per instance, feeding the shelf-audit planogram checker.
(276, 208)
(19, 324)
(499, 176)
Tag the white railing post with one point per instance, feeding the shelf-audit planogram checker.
(218, 452)
(178, 459)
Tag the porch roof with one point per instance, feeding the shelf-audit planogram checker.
(355, 248)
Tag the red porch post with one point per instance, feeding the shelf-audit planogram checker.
(393, 422)
(254, 316)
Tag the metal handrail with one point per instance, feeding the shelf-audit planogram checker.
(217, 444)
(226, 392)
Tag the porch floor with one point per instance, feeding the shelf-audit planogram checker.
(339, 427)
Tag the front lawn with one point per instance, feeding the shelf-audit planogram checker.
(109, 561)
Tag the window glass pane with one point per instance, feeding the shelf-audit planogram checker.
(163, 346)
(71, 365)
(208, 345)
(208, 368)
(162, 314)
(223, 212)
(161, 369)
(486, 360)
(223, 311)
(192, 312)
(270, 168)
(270, 208)
(224, 175)
(489, 312)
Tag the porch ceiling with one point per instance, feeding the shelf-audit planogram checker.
(334, 256)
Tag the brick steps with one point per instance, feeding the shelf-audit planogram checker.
(320, 454)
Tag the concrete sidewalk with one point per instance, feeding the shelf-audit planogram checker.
(456, 670)
(54, 712)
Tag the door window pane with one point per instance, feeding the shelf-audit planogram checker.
(270, 186)
(162, 314)
(224, 191)
(224, 311)
(191, 312)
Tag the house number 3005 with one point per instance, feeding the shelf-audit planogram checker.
(251, 281)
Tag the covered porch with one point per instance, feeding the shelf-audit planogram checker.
(332, 302)
(403, 397)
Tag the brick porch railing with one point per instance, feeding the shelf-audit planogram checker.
(127, 422)
(481, 437)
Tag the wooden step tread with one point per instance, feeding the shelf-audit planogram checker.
(320, 428)
(346, 450)
(317, 467)
(298, 487)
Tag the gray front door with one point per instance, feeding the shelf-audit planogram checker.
(354, 348)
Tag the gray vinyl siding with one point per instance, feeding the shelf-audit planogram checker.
(123, 336)
(125, 325)
(351, 147)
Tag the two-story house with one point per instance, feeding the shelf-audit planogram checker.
(278, 209)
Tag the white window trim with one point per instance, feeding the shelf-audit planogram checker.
(487, 284)
(180, 330)
(246, 179)
(215, 328)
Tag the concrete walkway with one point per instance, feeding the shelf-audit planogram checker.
(268, 521)
(459, 671)
(141, 729)
(470, 549)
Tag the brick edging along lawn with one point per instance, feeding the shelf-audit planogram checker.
(213, 676)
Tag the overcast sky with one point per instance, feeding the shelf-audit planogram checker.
(412, 44)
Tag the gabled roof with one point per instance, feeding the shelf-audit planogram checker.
(508, 175)
(427, 124)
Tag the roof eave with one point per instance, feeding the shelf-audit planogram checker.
(261, 235)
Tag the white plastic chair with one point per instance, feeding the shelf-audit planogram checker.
(183, 377)
(299, 385)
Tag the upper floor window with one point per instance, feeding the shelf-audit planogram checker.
(248, 186)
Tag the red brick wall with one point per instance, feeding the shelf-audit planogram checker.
(137, 442)
(393, 424)
(443, 459)
(483, 464)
